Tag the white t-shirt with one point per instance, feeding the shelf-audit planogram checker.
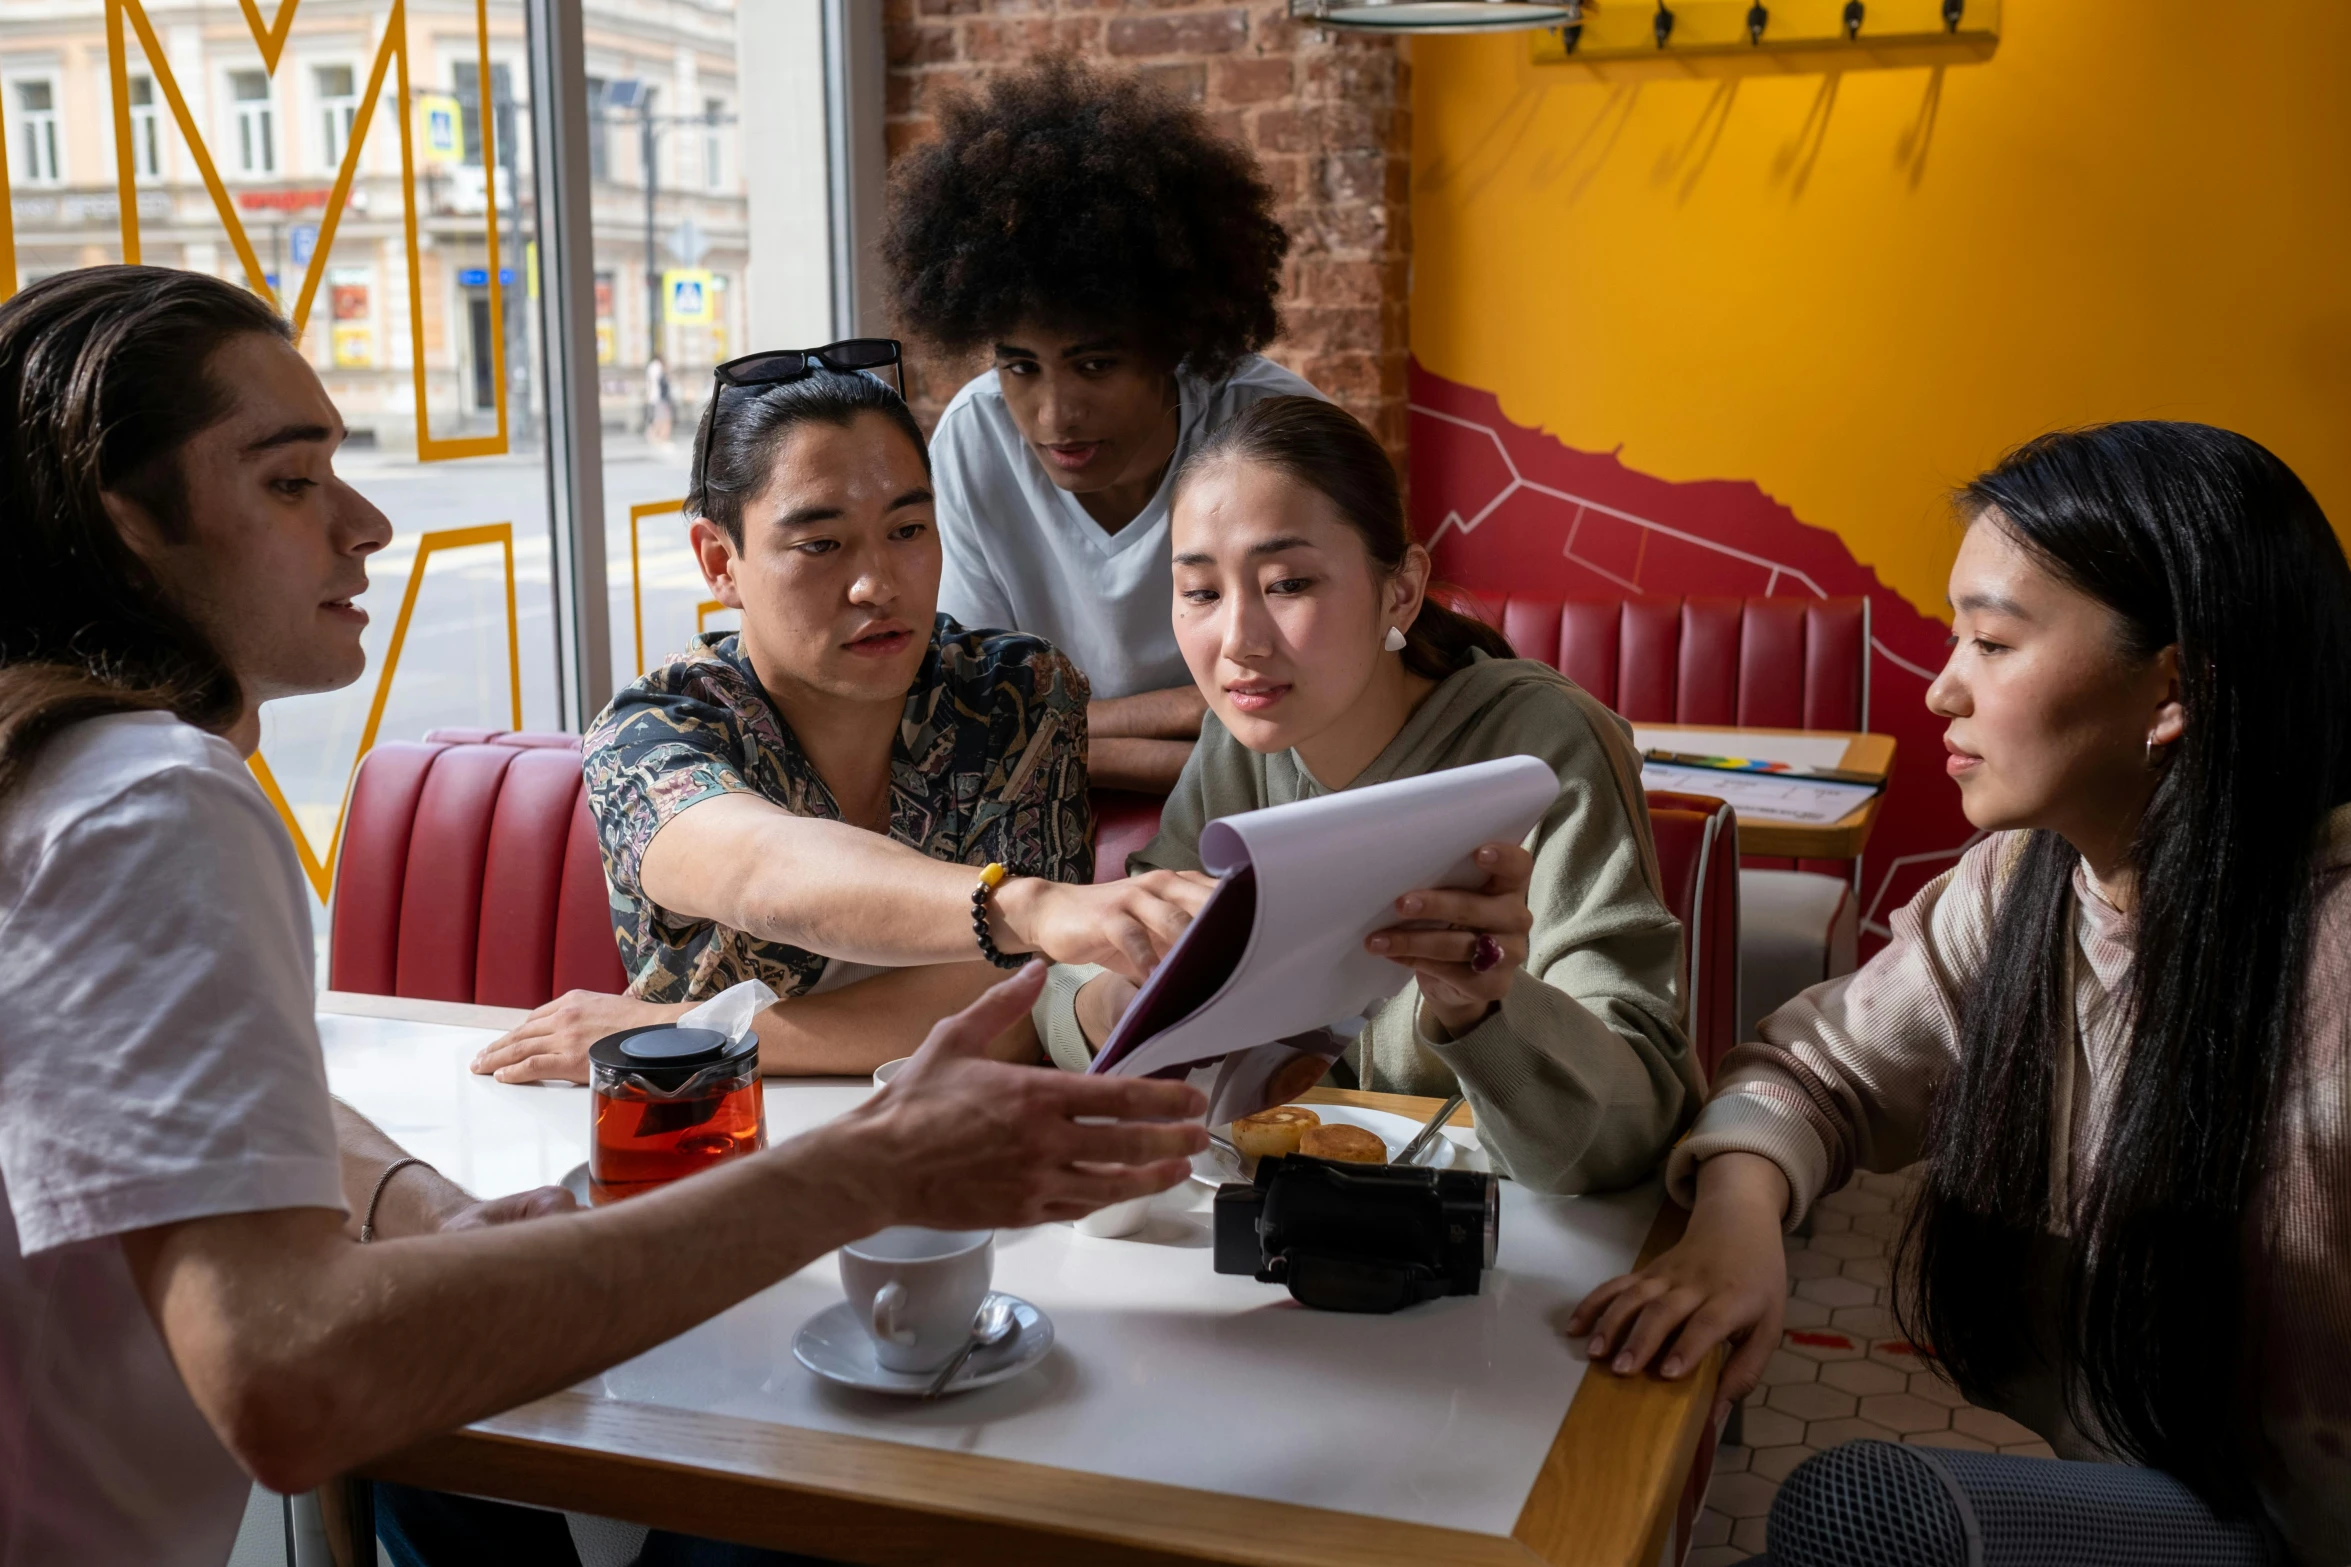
(1022, 555)
(159, 1061)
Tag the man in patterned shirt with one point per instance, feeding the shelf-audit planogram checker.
(809, 801)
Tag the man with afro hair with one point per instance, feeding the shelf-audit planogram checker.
(1122, 262)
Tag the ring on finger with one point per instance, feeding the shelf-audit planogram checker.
(1485, 954)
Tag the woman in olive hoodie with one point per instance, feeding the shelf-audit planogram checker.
(1550, 995)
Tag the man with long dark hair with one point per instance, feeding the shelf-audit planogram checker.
(2118, 1033)
(182, 1286)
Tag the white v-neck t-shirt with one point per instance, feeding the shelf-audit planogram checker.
(159, 1062)
(1022, 555)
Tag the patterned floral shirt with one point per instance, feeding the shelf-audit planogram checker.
(989, 764)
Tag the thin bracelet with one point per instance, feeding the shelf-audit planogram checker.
(990, 880)
(367, 1226)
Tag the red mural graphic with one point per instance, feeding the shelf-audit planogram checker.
(1507, 509)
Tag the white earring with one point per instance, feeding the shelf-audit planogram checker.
(1394, 641)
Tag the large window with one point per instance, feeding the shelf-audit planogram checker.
(257, 145)
(337, 94)
(146, 129)
(423, 314)
(36, 132)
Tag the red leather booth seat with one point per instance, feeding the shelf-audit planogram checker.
(1698, 858)
(469, 872)
(1766, 663)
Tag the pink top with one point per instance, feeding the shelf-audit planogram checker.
(1844, 1074)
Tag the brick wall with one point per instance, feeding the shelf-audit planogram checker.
(1328, 117)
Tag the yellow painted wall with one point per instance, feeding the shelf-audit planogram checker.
(2134, 208)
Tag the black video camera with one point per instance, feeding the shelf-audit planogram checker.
(1359, 1237)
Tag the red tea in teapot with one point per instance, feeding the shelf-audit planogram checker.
(667, 1102)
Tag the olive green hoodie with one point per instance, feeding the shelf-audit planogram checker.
(1582, 1077)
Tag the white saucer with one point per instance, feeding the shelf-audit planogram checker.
(835, 1345)
(575, 1181)
(1218, 1164)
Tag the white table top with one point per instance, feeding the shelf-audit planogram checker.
(1163, 1370)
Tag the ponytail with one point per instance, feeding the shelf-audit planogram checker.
(1327, 449)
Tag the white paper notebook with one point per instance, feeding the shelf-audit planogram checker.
(1277, 953)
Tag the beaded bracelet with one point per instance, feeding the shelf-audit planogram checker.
(990, 880)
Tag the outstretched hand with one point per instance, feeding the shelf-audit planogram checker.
(1464, 945)
(965, 1142)
(1726, 1280)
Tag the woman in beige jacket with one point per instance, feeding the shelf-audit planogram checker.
(1548, 995)
(2115, 1033)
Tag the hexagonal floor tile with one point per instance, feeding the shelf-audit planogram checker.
(1730, 1458)
(1777, 1463)
(2028, 1450)
(1768, 1427)
(1850, 1244)
(1863, 1377)
(1825, 1434)
(1718, 1556)
(1749, 1534)
(1709, 1528)
(1857, 1199)
(1740, 1496)
(1930, 1386)
(1813, 1263)
(1897, 1352)
(1800, 1313)
(1986, 1426)
(1885, 1226)
(1870, 1321)
(1948, 1439)
(1875, 1272)
(1809, 1401)
(1902, 1413)
(1836, 1292)
(1827, 1221)
(1784, 1367)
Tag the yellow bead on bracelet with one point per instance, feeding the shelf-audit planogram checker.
(990, 879)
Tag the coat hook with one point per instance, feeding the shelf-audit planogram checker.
(1757, 20)
(1853, 11)
(1662, 26)
(1953, 10)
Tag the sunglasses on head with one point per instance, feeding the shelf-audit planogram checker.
(778, 365)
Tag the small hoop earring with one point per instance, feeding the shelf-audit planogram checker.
(2150, 751)
(1394, 641)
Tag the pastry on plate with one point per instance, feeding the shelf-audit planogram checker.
(1272, 1132)
(1347, 1144)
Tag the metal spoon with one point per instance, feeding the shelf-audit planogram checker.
(1431, 1132)
(993, 1323)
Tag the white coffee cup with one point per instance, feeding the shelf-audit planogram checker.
(916, 1291)
(889, 1069)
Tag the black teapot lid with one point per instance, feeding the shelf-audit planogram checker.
(665, 1055)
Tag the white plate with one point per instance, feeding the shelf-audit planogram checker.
(1218, 1164)
(835, 1345)
(575, 1181)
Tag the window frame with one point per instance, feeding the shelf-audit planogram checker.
(247, 113)
(36, 131)
(336, 112)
